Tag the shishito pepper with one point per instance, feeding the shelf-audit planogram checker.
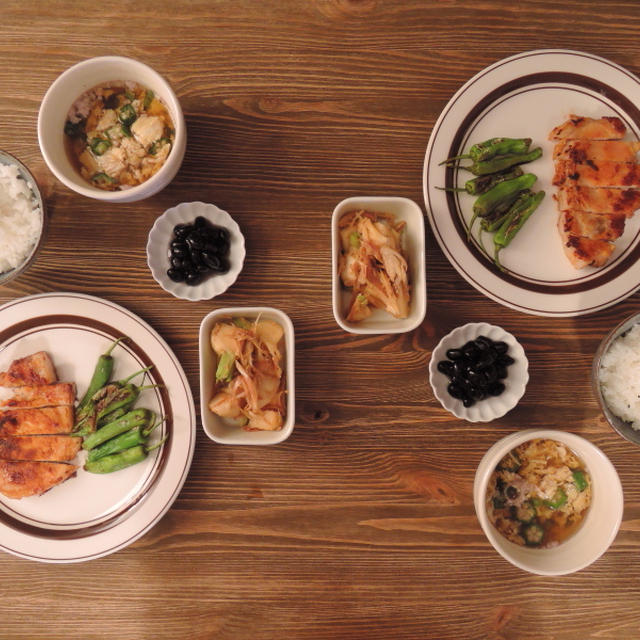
(492, 148)
(501, 163)
(514, 223)
(495, 220)
(482, 184)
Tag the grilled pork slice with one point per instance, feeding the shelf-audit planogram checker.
(584, 252)
(49, 448)
(20, 479)
(597, 226)
(36, 368)
(27, 422)
(624, 201)
(36, 396)
(607, 128)
(602, 174)
(585, 151)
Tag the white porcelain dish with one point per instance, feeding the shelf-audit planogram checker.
(600, 524)
(217, 428)
(24, 173)
(68, 87)
(492, 407)
(622, 427)
(92, 515)
(380, 321)
(525, 96)
(160, 238)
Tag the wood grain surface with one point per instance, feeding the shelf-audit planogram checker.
(362, 524)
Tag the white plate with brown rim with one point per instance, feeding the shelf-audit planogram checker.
(89, 515)
(525, 96)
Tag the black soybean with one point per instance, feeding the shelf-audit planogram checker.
(476, 369)
(177, 275)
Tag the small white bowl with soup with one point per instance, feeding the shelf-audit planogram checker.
(111, 128)
(550, 502)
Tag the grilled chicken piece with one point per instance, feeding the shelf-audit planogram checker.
(36, 396)
(607, 128)
(48, 448)
(20, 479)
(623, 201)
(27, 422)
(597, 226)
(36, 368)
(584, 151)
(584, 252)
(602, 174)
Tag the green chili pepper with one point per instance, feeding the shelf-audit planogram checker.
(135, 418)
(503, 193)
(514, 222)
(99, 146)
(495, 219)
(127, 114)
(482, 184)
(579, 479)
(122, 459)
(101, 374)
(559, 499)
(501, 163)
(492, 148)
(126, 440)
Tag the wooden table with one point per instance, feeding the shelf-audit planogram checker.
(362, 524)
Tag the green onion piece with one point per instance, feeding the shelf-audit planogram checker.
(354, 239)
(99, 146)
(148, 98)
(127, 114)
(243, 323)
(102, 179)
(580, 480)
(361, 298)
(225, 367)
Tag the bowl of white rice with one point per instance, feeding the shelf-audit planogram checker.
(21, 218)
(616, 378)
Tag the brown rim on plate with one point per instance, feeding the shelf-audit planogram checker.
(83, 529)
(526, 83)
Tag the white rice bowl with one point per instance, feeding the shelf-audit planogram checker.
(619, 377)
(20, 219)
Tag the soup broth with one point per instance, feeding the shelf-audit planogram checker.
(539, 494)
(117, 135)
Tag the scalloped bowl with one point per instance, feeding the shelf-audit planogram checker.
(159, 242)
(492, 407)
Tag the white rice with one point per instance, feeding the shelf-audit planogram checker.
(620, 377)
(20, 218)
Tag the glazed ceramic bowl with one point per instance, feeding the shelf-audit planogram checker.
(623, 427)
(68, 87)
(221, 430)
(380, 321)
(601, 522)
(158, 247)
(36, 200)
(492, 407)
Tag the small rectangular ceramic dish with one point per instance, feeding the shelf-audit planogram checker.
(380, 321)
(216, 427)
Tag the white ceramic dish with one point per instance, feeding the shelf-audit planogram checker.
(620, 426)
(68, 87)
(214, 426)
(160, 238)
(601, 522)
(526, 95)
(492, 407)
(9, 160)
(90, 515)
(380, 321)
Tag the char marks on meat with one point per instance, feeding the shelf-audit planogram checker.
(599, 186)
(36, 418)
